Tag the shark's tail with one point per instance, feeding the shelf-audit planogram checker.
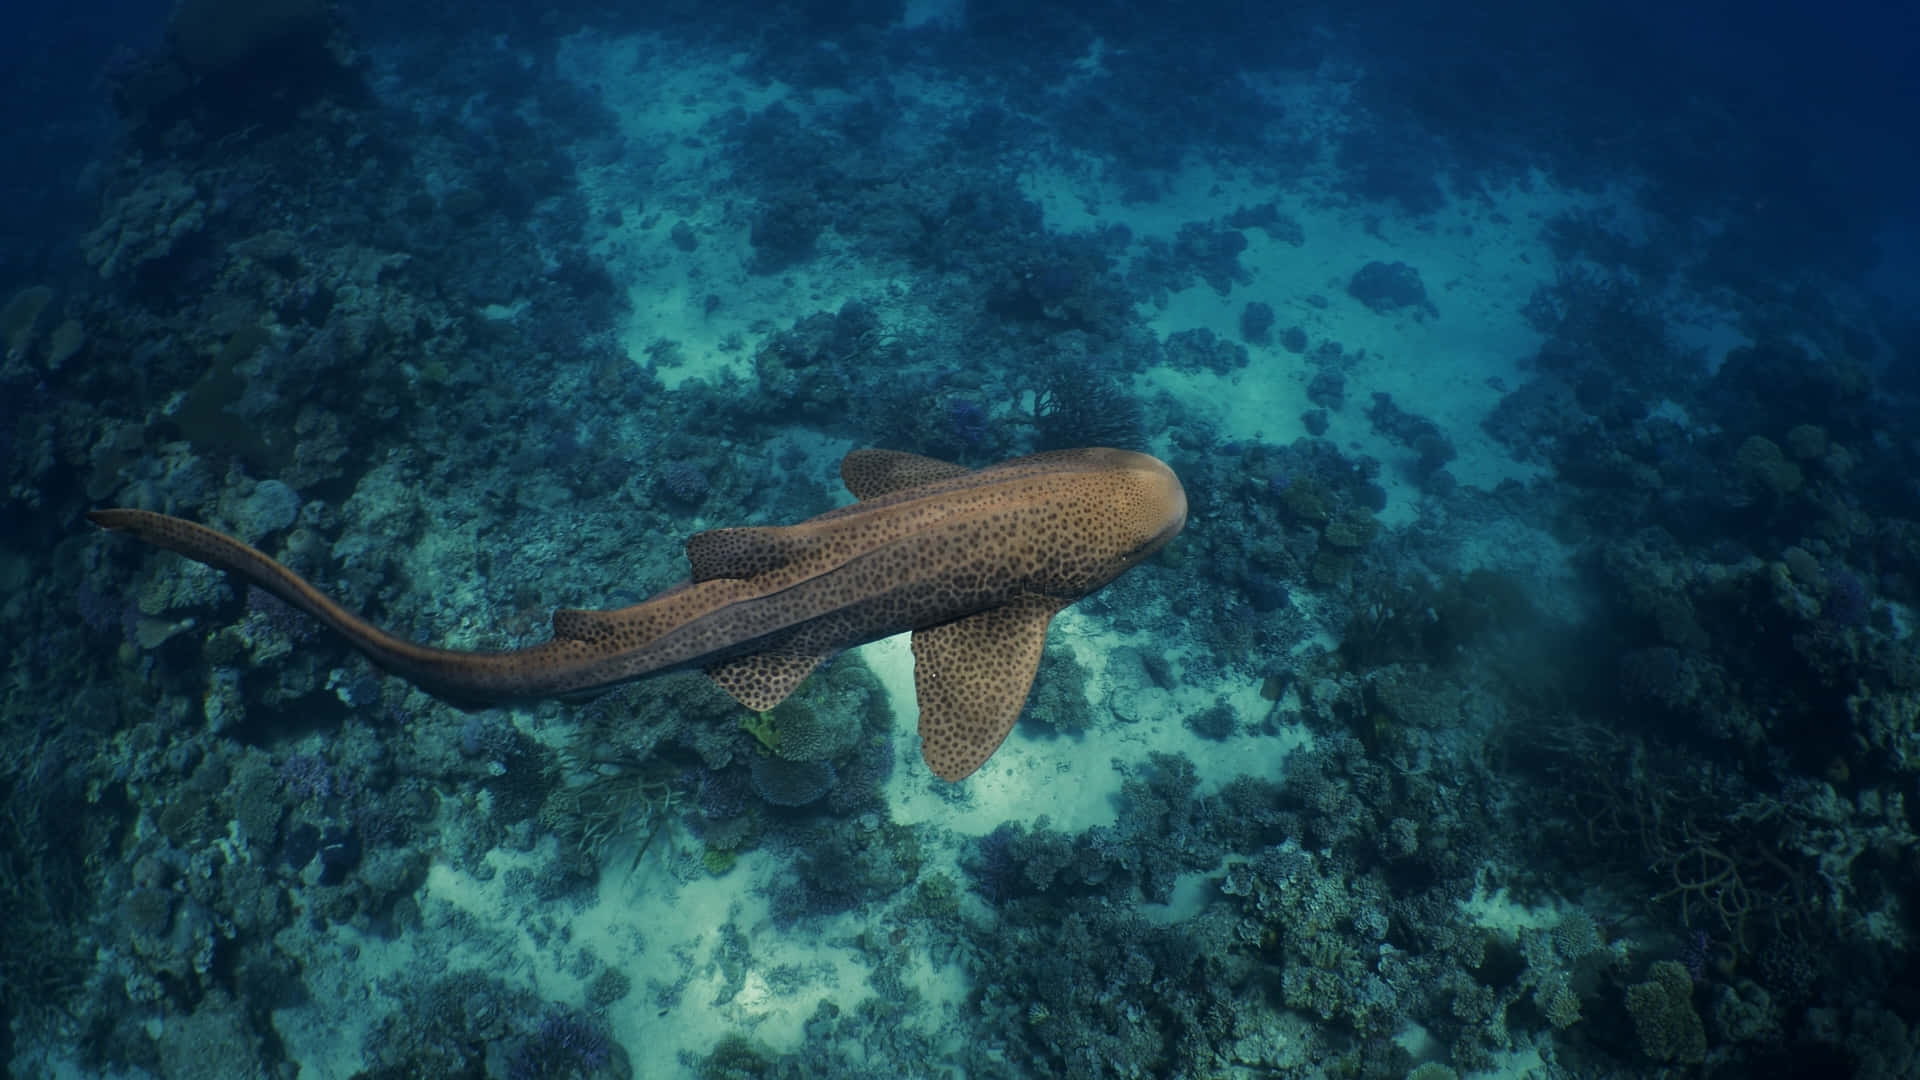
(464, 678)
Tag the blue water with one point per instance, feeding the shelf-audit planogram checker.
(1531, 692)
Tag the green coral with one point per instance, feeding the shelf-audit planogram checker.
(806, 733)
(1324, 993)
(1351, 529)
(1328, 569)
(1670, 1028)
(1743, 1012)
(718, 861)
(608, 987)
(208, 415)
(17, 319)
(760, 726)
(1059, 695)
(935, 897)
(1305, 501)
(1807, 441)
(1558, 1002)
(638, 802)
(825, 717)
(736, 1057)
(1576, 935)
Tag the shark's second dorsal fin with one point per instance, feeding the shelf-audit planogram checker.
(871, 473)
(742, 552)
(573, 624)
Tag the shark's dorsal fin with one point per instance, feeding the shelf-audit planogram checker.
(972, 676)
(764, 679)
(742, 552)
(871, 473)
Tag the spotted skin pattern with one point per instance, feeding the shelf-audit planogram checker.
(971, 677)
(973, 562)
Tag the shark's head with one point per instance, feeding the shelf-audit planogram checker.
(1159, 508)
(1127, 506)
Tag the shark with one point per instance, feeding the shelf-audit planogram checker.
(973, 563)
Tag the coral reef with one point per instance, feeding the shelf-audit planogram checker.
(1557, 703)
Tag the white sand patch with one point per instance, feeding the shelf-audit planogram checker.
(325, 1034)
(1070, 780)
(787, 974)
(1709, 333)
(663, 933)
(1497, 911)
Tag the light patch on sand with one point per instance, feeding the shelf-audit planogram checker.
(340, 969)
(1074, 779)
(1070, 780)
(1497, 911)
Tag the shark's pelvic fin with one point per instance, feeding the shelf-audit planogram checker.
(764, 679)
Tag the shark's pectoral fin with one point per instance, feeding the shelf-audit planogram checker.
(871, 473)
(764, 679)
(972, 676)
(742, 552)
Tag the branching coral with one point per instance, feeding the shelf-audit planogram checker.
(1721, 871)
(42, 957)
(1077, 405)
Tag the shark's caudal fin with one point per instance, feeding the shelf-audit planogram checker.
(223, 552)
(464, 679)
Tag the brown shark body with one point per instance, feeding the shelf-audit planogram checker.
(974, 562)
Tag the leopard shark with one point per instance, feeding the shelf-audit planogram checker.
(974, 563)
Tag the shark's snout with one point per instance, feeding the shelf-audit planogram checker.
(1162, 500)
(1174, 499)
